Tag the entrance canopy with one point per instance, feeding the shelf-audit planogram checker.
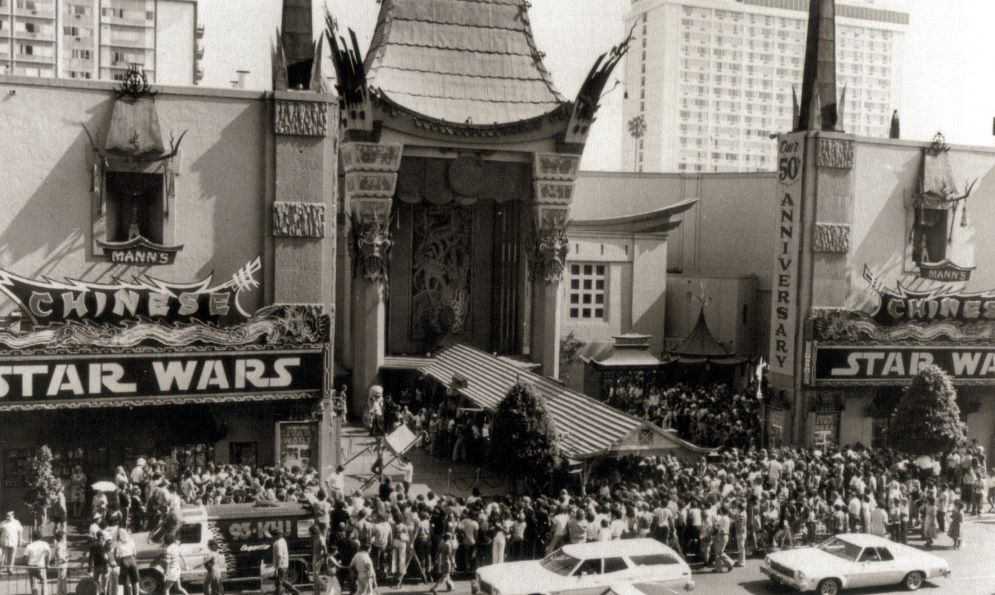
(587, 428)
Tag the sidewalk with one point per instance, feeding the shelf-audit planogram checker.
(434, 474)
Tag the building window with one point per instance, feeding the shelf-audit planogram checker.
(587, 291)
(134, 206)
(71, 31)
(929, 235)
(29, 27)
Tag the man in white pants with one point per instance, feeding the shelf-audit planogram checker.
(38, 553)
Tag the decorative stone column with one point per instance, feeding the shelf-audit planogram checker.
(370, 181)
(554, 182)
(302, 220)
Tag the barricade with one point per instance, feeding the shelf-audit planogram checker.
(58, 581)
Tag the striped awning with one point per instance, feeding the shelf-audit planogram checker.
(586, 427)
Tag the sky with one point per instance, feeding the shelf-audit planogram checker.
(949, 69)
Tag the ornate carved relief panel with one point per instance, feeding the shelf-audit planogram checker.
(441, 285)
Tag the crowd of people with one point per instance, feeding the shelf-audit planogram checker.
(743, 502)
(711, 416)
(740, 501)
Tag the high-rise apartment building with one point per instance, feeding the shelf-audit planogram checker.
(713, 79)
(100, 39)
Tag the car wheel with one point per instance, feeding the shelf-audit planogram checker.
(828, 586)
(150, 583)
(913, 580)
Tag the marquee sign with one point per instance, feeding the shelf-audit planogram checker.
(160, 375)
(903, 305)
(784, 310)
(856, 364)
(47, 302)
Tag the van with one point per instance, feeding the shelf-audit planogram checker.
(243, 533)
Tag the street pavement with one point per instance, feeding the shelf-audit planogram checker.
(973, 567)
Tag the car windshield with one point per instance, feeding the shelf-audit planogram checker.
(559, 563)
(841, 549)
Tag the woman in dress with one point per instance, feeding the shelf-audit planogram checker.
(929, 521)
(174, 563)
(956, 518)
(499, 541)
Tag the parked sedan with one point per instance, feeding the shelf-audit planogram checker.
(853, 560)
(589, 569)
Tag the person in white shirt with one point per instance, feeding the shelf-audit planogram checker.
(408, 470)
(879, 522)
(11, 533)
(38, 553)
(604, 531)
(281, 563)
(336, 483)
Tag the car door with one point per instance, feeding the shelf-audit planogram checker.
(891, 570)
(191, 540)
(588, 578)
(615, 570)
(868, 570)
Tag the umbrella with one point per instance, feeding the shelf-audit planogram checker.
(104, 486)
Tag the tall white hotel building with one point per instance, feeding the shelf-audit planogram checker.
(713, 78)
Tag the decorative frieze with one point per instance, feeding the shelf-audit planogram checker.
(832, 237)
(554, 166)
(370, 184)
(550, 244)
(835, 153)
(299, 219)
(301, 118)
(553, 193)
(370, 157)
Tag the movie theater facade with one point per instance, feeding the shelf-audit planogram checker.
(164, 298)
(884, 265)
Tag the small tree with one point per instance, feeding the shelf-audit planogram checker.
(523, 442)
(41, 482)
(570, 348)
(927, 419)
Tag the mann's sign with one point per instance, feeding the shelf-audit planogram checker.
(890, 364)
(784, 299)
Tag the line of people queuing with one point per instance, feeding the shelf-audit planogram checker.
(710, 416)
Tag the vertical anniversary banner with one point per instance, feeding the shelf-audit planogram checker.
(784, 292)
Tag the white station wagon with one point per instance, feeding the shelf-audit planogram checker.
(853, 560)
(589, 569)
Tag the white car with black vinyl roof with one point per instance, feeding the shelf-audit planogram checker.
(593, 568)
(853, 560)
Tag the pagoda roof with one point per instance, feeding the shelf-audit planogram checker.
(460, 61)
(700, 343)
(631, 350)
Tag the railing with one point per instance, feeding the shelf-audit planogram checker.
(17, 580)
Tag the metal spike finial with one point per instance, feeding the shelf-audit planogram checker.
(820, 68)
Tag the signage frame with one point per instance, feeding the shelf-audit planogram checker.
(819, 380)
(789, 229)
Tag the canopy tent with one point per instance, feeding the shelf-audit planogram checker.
(587, 428)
